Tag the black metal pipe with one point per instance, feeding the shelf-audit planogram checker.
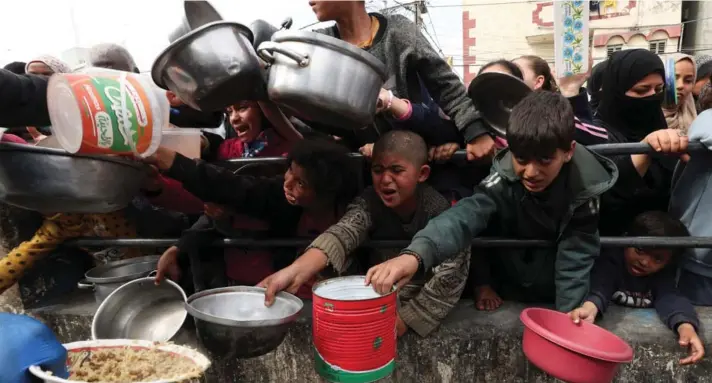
(461, 155)
(644, 242)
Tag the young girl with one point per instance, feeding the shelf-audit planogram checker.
(311, 196)
(681, 115)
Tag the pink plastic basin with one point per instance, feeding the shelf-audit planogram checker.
(574, 353)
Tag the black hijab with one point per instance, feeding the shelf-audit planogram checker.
(630, 118)
(594, 84)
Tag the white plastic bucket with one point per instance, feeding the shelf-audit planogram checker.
(101, 111)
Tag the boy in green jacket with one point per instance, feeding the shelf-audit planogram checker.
(543, 187)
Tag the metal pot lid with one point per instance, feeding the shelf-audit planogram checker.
(243, 306)
(122, 271)
(163, 57)
(494, 95)
(332, 43)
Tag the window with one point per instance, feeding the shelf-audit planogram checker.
(613, 48)
(657, 46)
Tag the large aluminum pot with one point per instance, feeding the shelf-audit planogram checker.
(233, 322)
(212, 67)
(142, 310)
(54, 181)
(196, 13)
(106, 278)
(323, 79)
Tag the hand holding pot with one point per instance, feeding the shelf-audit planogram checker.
(292, 277)
(168, 265)
(481, 147)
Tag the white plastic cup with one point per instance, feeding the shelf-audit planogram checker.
(103, 111)
(182, 140)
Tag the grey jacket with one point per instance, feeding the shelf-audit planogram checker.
(408, 56)
(691, 200)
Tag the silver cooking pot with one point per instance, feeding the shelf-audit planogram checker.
(104, 279)
(211, 67)
(140, 309)
(196, 13)
(53, 181)
(323, 79)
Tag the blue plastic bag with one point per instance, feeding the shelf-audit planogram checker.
(24, 342)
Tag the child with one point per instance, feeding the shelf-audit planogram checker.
(396, 207)
(643, 278)
(543, 186)
(311, 196)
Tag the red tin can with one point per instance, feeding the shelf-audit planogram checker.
(354, 330)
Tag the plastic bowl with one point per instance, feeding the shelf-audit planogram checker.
(575, 353)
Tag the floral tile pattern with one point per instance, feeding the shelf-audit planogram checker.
(571, 31)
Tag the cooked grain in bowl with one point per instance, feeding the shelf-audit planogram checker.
(128, 365)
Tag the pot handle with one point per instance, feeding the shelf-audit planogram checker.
(84, 285)
(267, 48)
(152, 274)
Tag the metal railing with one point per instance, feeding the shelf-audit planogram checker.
(643, 242)
(461, 155)
(603, 149)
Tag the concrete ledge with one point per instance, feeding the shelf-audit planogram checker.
(471, 346)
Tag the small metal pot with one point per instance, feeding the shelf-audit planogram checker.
(141, 310)
(323, 79)
(211, 67)
(106, 278)
(196, 13)
(233, 322)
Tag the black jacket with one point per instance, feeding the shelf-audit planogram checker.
(23, 100)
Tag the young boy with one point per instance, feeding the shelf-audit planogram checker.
(543, 187)
(395, 207)
(643, 278)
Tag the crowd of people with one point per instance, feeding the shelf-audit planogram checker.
(541, 182)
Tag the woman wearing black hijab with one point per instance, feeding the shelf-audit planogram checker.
(630, 109)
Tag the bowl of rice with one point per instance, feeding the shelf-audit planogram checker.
(128, 361)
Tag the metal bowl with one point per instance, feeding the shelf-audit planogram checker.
(54, 181)
(233, 322)
(196, 13)
(212, 67)
(106, 278)
(494, 95)
(141, 310)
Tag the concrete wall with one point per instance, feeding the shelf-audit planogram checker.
(471, 346)
(697, 35)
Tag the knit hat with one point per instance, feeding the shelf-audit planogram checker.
(704, 66)
(112, 56)
(57, 65)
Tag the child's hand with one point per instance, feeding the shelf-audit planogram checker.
(162, 159)
(442, 152)
(292, 277)
(690, 339)
(586, 312)
(366, 150)
(401, 327)
(393, 272)
(168, 265)
(214, 211)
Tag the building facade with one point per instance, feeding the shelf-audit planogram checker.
(494, 30)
